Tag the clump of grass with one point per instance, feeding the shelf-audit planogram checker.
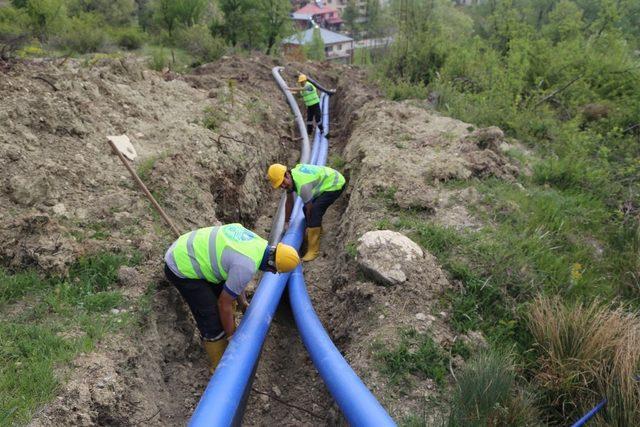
(587, 352)
(146, 166)
(351, 249)
(47, 322)
(336, 161)
(416, 353)
(212, 118)
(487, 394)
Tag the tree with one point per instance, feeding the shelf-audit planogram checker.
(233, 20)
(46, 16)
(274, 17)
(350, 15)
(373, 23)
(315, 49)
(171, 13)
(114, 12)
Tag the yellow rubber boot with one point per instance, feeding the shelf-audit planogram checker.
(215, 350)
(313, 247)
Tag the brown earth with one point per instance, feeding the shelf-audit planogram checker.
(65, 195)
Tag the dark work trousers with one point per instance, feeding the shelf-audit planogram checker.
(202, 298)
(319, 206)
(313, 112)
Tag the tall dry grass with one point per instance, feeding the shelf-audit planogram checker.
(587, 352)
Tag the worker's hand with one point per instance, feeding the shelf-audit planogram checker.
(243, 304)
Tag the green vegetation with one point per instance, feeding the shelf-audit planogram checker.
(212, 118)
(336, 161)
(563, 77)
(315, 49)
(416, 353)
(575, 344)
(487, 394)
(47, 322)
(179, 33)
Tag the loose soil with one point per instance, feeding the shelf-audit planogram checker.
(65, 195)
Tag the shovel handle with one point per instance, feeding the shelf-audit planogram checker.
(145, 190)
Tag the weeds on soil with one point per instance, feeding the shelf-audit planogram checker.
(416, 353)
(47, 322)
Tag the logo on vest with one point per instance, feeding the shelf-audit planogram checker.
(238, 234)
(307, 169)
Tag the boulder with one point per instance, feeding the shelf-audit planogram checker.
(387, 256)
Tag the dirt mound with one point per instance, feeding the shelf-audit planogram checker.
(203, 148)
(398, 155)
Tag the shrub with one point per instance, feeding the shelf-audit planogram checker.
(486, 394)
(129, 38)
(158, 59)
(13, 31)
(587, 352)
(212, 118)
(84, 33)
(198, 41)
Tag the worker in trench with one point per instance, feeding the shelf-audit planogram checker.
(211, 268)
(311, 100)
(318, 187)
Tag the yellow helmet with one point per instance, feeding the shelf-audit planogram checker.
(302, 78)
(276, 174)
(286, 258)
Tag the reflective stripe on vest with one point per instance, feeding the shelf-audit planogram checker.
(311, 180)
(310, 95)
(198, 254)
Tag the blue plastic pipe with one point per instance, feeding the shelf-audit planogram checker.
(223, 401)
(582, 421)
(357, 403)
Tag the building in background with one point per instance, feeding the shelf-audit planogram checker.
(337, 47)
(324, 16)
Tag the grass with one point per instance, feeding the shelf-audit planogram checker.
(337, 162)
(212, 118)
(416, 353)
(587, 352)
(146, 166)
(487, 394)
(47, 322)
(351, 249)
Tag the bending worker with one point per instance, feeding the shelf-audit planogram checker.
(311, 100)
(211, 267)
(318, 187)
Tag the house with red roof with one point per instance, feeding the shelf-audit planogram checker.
(322, 15)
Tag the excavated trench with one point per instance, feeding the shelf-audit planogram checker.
(156, 376)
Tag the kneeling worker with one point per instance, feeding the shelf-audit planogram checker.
(318, 187)
(211, 267)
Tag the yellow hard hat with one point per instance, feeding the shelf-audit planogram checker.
(276, 174)
(302, 78)
(286, 258)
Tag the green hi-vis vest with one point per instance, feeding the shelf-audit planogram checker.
(198, 254)
(311, 180)
(310, 95)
